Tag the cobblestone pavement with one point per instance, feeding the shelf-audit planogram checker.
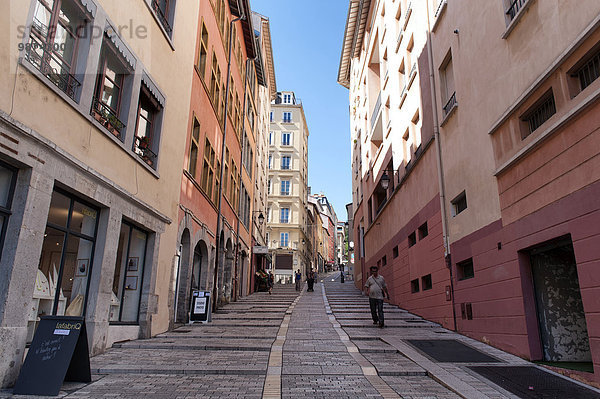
(319, 344)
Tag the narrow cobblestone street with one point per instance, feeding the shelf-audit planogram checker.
(319, 344)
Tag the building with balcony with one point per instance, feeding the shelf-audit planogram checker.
(287, 223)
(91, 150)
(217, 186)
(503, 250)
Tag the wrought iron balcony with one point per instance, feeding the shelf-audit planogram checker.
(376, 110)
(66, 82)
(141, 146)
(107, 118)
(514, 8)
(450, 104)
(164, 20)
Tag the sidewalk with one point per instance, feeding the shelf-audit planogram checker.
(319, 344)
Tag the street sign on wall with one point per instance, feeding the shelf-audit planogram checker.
(259, 249)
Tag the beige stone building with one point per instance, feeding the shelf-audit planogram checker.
(93, 113)
(287, 187)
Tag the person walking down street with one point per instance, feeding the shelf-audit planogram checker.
(271, 282)
(310, 281)
(298, 278)
(376, 288)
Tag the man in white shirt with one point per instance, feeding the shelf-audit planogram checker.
(376, 288)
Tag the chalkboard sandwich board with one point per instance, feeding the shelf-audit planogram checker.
(59, 352)
(200, 309)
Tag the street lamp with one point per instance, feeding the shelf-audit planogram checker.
(385, 180)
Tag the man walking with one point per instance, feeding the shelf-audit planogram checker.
(298, 278)
(376, 288)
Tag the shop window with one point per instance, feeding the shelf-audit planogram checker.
(423, 231)
(129, 274)
(426, 282)
(147, 133)
(55, 46)
(465, 269)
(8, 178)
(62, 279)
(412, 239)
(112, 86)
(414, 286)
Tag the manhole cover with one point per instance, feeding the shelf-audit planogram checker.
(448, 350)
(530, 382)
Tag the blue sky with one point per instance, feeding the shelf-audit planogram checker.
(307, 42)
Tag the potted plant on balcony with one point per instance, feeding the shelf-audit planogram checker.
(143, 142)
(112, 122)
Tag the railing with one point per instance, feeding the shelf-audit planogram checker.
(450, 104)
(439, 8)
(404, 89)
(514, 8)
(161, 15)
(107, 118)
(376, 110)
(61, 79)
(142, 147)
(400, 36)
(408, 12)
(413, 70)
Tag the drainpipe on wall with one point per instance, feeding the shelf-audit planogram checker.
(237, 232)
(218, 231)
(440, 166)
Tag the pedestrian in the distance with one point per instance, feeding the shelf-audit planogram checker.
(376, 288)
(310, 281)
(298, 278)
(271, 282)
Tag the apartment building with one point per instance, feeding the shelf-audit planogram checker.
(498, 218)
(90, 149)
(397, 223)
(288, 187)
(217, 186)
(316, 228)
(266, 94)
(329, 232)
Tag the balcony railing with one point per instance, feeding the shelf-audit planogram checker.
(141, 146)
(376, 111)
(514, 8)
(66, 82)
(107, 118)
(162, 17)
(439, 8)
(450, 104)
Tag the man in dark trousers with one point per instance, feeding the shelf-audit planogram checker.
(376, 288)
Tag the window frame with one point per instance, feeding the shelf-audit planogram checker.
(6, 211)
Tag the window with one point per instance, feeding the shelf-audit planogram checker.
(165, 11)
(286, 138)
(384, 261)
(271, 117)
(412, 239)
(215, 87)
(287, 98)
(208, 171)
(407, 147)
(539, 113)
(270, 161)
(414, 286)
(269, 185)
(107, 106)
(54, 42)
(269, 214)
(426, 282)
(284, 215)
(395, 252)
(233, 194)
(465, 270)
(194, 148)
(459, 203)
(589, 71)
(284, 239)
(203, 51)
(285, 187)
(287, 117)
(423, 231)
(285, 162)
(270, 138)
(447, 80)
(147, 131)
(8, 178)
(66, 258)
(129, 275)
(245, 207)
